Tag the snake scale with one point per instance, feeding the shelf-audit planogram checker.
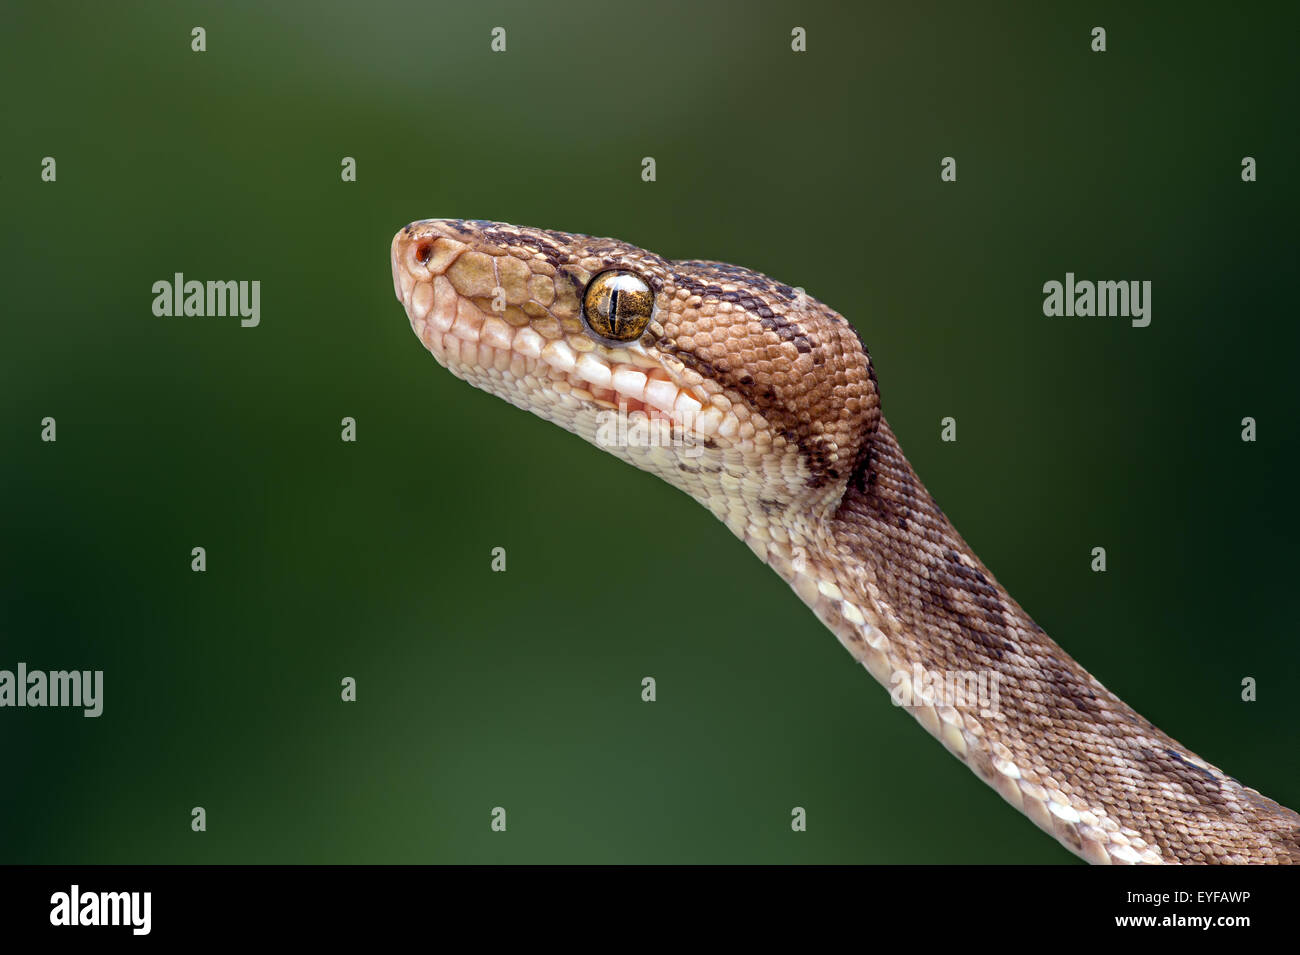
(773, 409)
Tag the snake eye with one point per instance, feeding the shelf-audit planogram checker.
(617, 306)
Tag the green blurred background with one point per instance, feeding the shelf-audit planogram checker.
(371, 560)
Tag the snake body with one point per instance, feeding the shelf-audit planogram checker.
(774, 411)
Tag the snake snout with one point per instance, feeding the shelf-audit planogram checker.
(409, 253)
(395, 260)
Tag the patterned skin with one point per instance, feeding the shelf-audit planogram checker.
(770, 414)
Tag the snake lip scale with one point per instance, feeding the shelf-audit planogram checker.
(789, 448)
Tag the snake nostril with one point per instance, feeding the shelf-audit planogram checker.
(424, 252)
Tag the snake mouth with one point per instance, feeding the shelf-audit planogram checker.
(519, 335)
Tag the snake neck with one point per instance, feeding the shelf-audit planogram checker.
(893, 580)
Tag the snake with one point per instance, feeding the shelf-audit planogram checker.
(763, 404)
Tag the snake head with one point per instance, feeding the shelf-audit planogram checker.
(718, 379)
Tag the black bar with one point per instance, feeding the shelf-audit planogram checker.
(332, 903)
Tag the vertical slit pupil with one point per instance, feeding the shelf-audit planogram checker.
(613, 313)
